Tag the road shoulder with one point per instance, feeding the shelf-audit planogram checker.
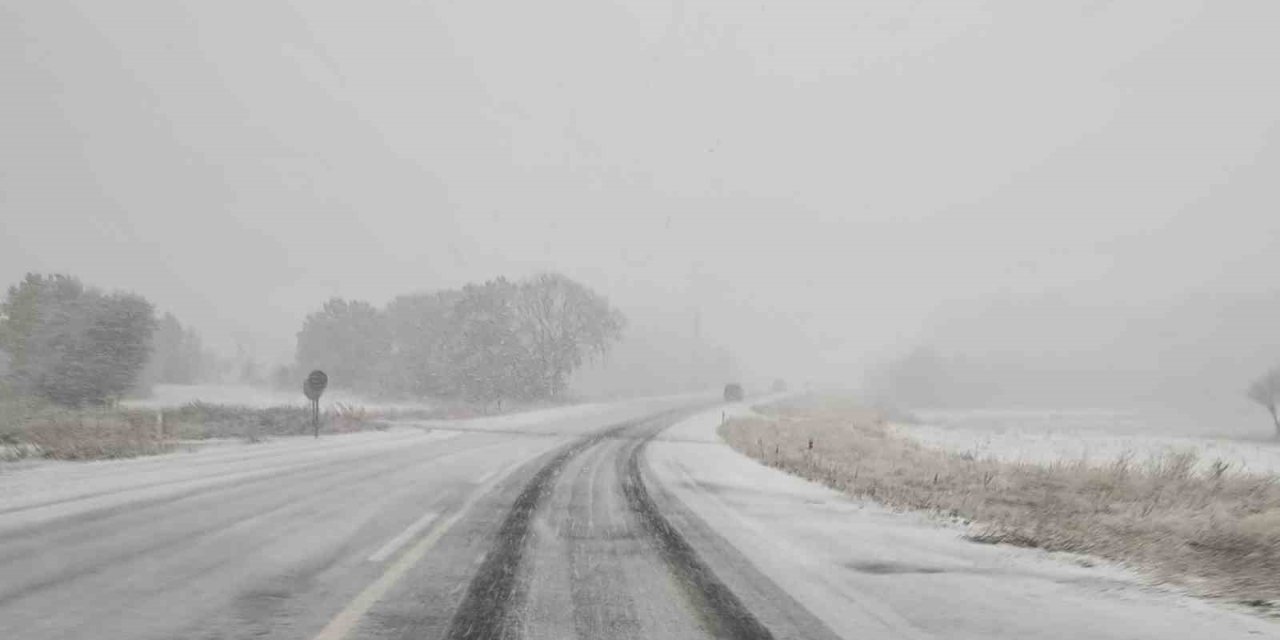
(864, 570)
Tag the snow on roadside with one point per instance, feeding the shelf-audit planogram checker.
(45, 487)
(27, 482)
(571, 418)
(519, 419)
(867, 571)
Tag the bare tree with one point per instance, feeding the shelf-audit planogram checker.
(562, 323)
(1266, 392)
(177, 355)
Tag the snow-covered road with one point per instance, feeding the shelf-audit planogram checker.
(622, 520)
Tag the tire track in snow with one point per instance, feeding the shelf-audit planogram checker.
(488, 610)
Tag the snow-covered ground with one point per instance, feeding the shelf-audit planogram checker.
(67, 486)
(1098, 436)
(230, 461)
(516, 420)
(867, 572)
(561, 418)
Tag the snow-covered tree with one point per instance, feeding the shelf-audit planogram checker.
(73, 344)
(349, 341)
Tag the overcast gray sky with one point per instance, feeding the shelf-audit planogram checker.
(824, 182)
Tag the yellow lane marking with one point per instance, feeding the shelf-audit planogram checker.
(399, 541)
(350, 616)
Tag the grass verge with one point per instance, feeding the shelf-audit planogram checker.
(34, 430)
(1216, 532)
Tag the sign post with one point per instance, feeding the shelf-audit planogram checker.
(313, 386)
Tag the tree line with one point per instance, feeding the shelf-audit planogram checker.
(499, 340)
(75, 345)
(72, 344)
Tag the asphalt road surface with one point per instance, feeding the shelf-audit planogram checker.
(619, 521)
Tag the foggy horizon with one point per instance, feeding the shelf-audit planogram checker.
(822, 190)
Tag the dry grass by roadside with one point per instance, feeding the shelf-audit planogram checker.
(1216, 532)
(199, 420)
(33, 430)
(89, 436)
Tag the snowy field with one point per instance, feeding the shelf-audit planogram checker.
(1097, 436)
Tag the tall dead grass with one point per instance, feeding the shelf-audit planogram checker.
(35, 430)
(1217, 532)
(93, 436)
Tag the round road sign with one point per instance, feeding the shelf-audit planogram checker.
(315, 384)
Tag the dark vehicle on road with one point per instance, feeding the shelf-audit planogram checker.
(733, 392)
